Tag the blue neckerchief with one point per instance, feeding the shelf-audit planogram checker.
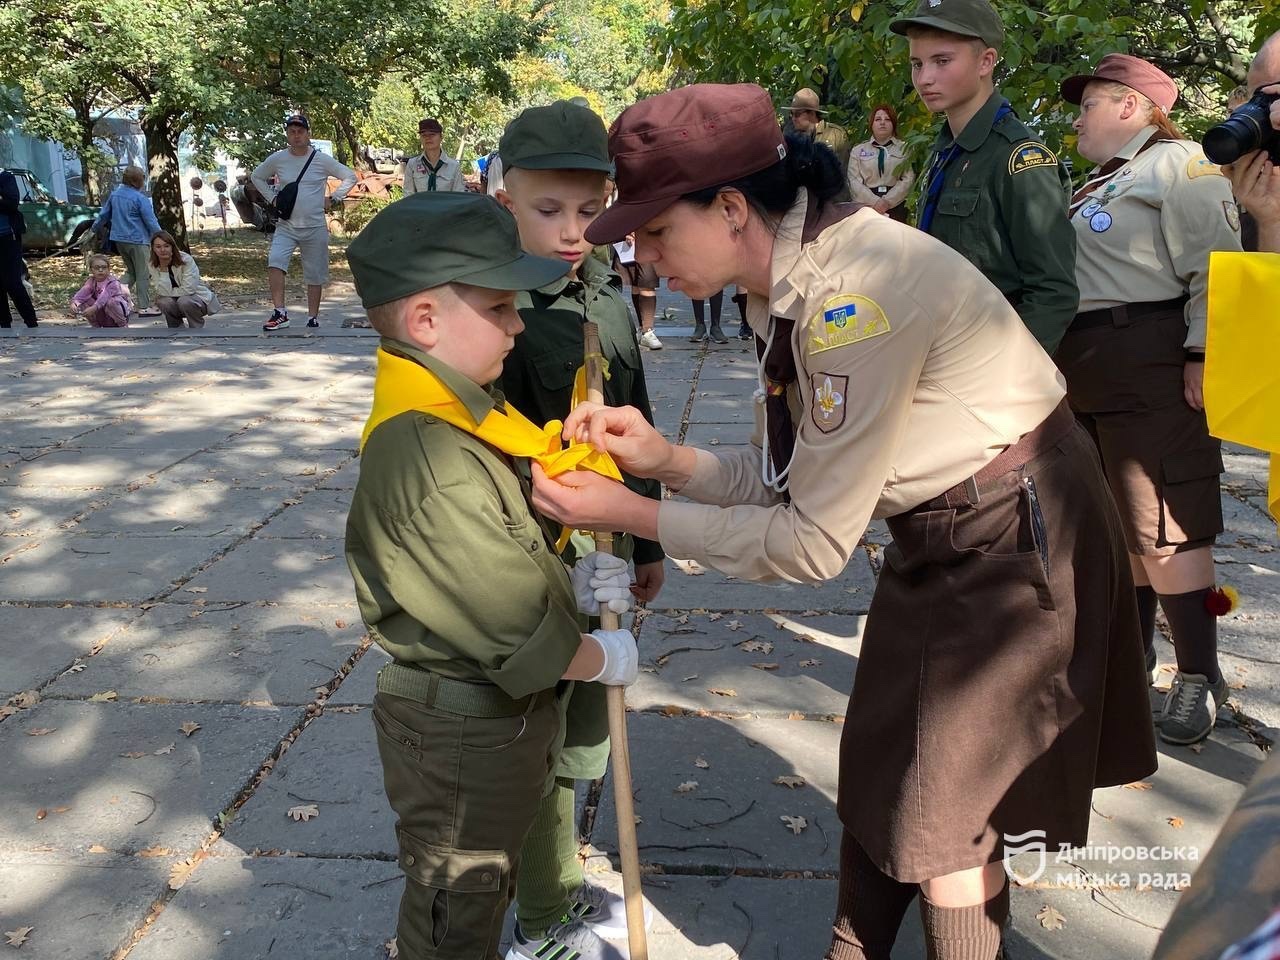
(937, 169)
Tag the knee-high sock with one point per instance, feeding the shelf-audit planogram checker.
(1195, 632)
(717, 302)
(699, 311)
(549, 867)
(964, 933)
(741, 300)
(1146, 616)
(869, 907)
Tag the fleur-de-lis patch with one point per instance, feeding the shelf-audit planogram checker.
(828, 400)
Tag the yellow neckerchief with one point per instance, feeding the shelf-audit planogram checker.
(401, 385)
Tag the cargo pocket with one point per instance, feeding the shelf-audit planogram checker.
(1190, 498)
(555, 371)
(451, 890)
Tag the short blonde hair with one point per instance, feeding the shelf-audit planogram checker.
(134, 176)
(388, 318)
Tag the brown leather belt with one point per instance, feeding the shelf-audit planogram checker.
(1031, 445)
(1123, 315)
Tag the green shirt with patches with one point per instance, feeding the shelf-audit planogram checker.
(537, 376)
(1004, 207)
(452, 569)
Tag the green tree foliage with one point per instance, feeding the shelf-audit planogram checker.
(847, 52)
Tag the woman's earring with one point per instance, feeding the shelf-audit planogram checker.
(737, 229)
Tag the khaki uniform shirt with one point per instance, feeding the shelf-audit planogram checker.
(865, 177)
(1144, 233)
(904, 391)
(537, 376)
(834, 136)
(452, 570)
(417, 175)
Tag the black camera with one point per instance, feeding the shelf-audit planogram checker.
(1246, 130)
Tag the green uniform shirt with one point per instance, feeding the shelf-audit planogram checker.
(537, 376)
(1004, 207)
(452, 570)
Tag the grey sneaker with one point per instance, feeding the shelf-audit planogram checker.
(650, 340)
(1191, 708)
(567, 940)
(699, 333)
(604, 911)
(717, 334)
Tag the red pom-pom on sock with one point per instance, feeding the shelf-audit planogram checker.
(1220, 601)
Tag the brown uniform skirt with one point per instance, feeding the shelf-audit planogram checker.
(1123, 368)
(1001, 676)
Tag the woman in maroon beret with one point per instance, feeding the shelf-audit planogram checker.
(1146, 220)
(1000, 676)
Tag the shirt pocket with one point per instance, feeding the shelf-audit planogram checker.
(555, 371)
(960, 217)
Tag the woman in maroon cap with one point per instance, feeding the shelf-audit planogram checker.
(1146, 220)
(1000, 676)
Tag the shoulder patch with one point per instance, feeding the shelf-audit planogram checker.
(1202, 166)
(846, 319)
(1028, 156)
(828, 400)
(1232, 213)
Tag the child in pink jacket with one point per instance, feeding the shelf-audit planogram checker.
(102, 301)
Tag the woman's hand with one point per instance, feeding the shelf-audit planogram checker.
(649, 580)
(880, 207)
(1193, 385)
(588, 501)
(623, 433)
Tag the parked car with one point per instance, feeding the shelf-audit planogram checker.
(52, 224)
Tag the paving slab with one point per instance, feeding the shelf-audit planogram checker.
(709, 436)
(740, 408)
(71, 466)
(1247, 524)
(361, 683)
(109, 797)
(66, 567)
(164, 509)
(33, 510)
(243, 464)
(284, 571)
(691, 586)
(777, 665)
(79, 907)
(344, 478)
(320, 515)
(355, 818)
(47, 431)
(316, 434)
(253, 653)
(38, 643)
(167, 432)
(743, 757)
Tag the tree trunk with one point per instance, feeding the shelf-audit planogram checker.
(88, 172)
(348, 137)
(166, 184)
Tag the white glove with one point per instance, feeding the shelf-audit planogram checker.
(598, 579)
(621, 659)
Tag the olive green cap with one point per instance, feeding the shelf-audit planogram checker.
(561, 136)
(430, 239)
(967, 18)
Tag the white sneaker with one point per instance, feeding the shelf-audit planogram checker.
(650, 339)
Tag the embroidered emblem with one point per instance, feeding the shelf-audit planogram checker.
(1202, 167)
(1100, 222)
(1028, 156)
(828, 400)
(846, 319)
(935, 3)
(1090, 208)
(1233, 214)
(782, 151)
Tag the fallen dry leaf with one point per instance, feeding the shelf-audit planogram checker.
(197, 589)
(687, 787)
(155, 852)
(163, 750)
(327, 556)
(795, 715)
(810, 613)
(17, 938)
(41, 813)
(768, 667)
(98, 848)
(180, 873)
(810, 663)
(1050, 918)
(104, 696)
(74, 668)
(671, 710)
(701, 764)
(794, 824)
(340, 624)
(189, 727)
(1138, 785)
(392, 948)
(713, 617)
(303, 812)
(792, 782)
(40, 731)
(734, 624)
(1175, 822)
(133, 754)
(722, 692)
(692, 676)
(345, 708)
(28, 698)
(683, 618)
(757, 646)
(61, 809)
(1197, 747)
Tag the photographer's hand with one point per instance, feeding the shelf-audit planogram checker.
(1255, 180)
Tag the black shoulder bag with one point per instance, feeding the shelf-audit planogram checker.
(288, 194)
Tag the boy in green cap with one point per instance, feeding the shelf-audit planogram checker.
(993, 191)
(467, 715)
(556, 164)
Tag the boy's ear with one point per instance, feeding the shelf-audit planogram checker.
(504, 198)
(422, 318)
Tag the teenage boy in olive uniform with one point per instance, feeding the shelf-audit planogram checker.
(993, 191)
(556, 163)
(467, 715)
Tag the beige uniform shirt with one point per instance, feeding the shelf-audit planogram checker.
(865, 176)
(417, 176)
(904, 390)
(1144, 233)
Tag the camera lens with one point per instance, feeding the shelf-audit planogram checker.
(1234, 137)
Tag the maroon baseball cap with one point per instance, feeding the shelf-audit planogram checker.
(1135, 73)
(430, 125)
(682, 141)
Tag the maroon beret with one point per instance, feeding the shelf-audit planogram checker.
(683, 141)
(1148, 79)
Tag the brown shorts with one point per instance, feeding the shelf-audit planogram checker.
(1001, 673)
(1125, 385)
(639, 276)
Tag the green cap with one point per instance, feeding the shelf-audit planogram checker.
(968, 18)
(562, 136)
(429, 239)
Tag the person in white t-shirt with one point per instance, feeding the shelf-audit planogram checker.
(306, 228)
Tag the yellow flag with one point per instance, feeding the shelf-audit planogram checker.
(1242, 355)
